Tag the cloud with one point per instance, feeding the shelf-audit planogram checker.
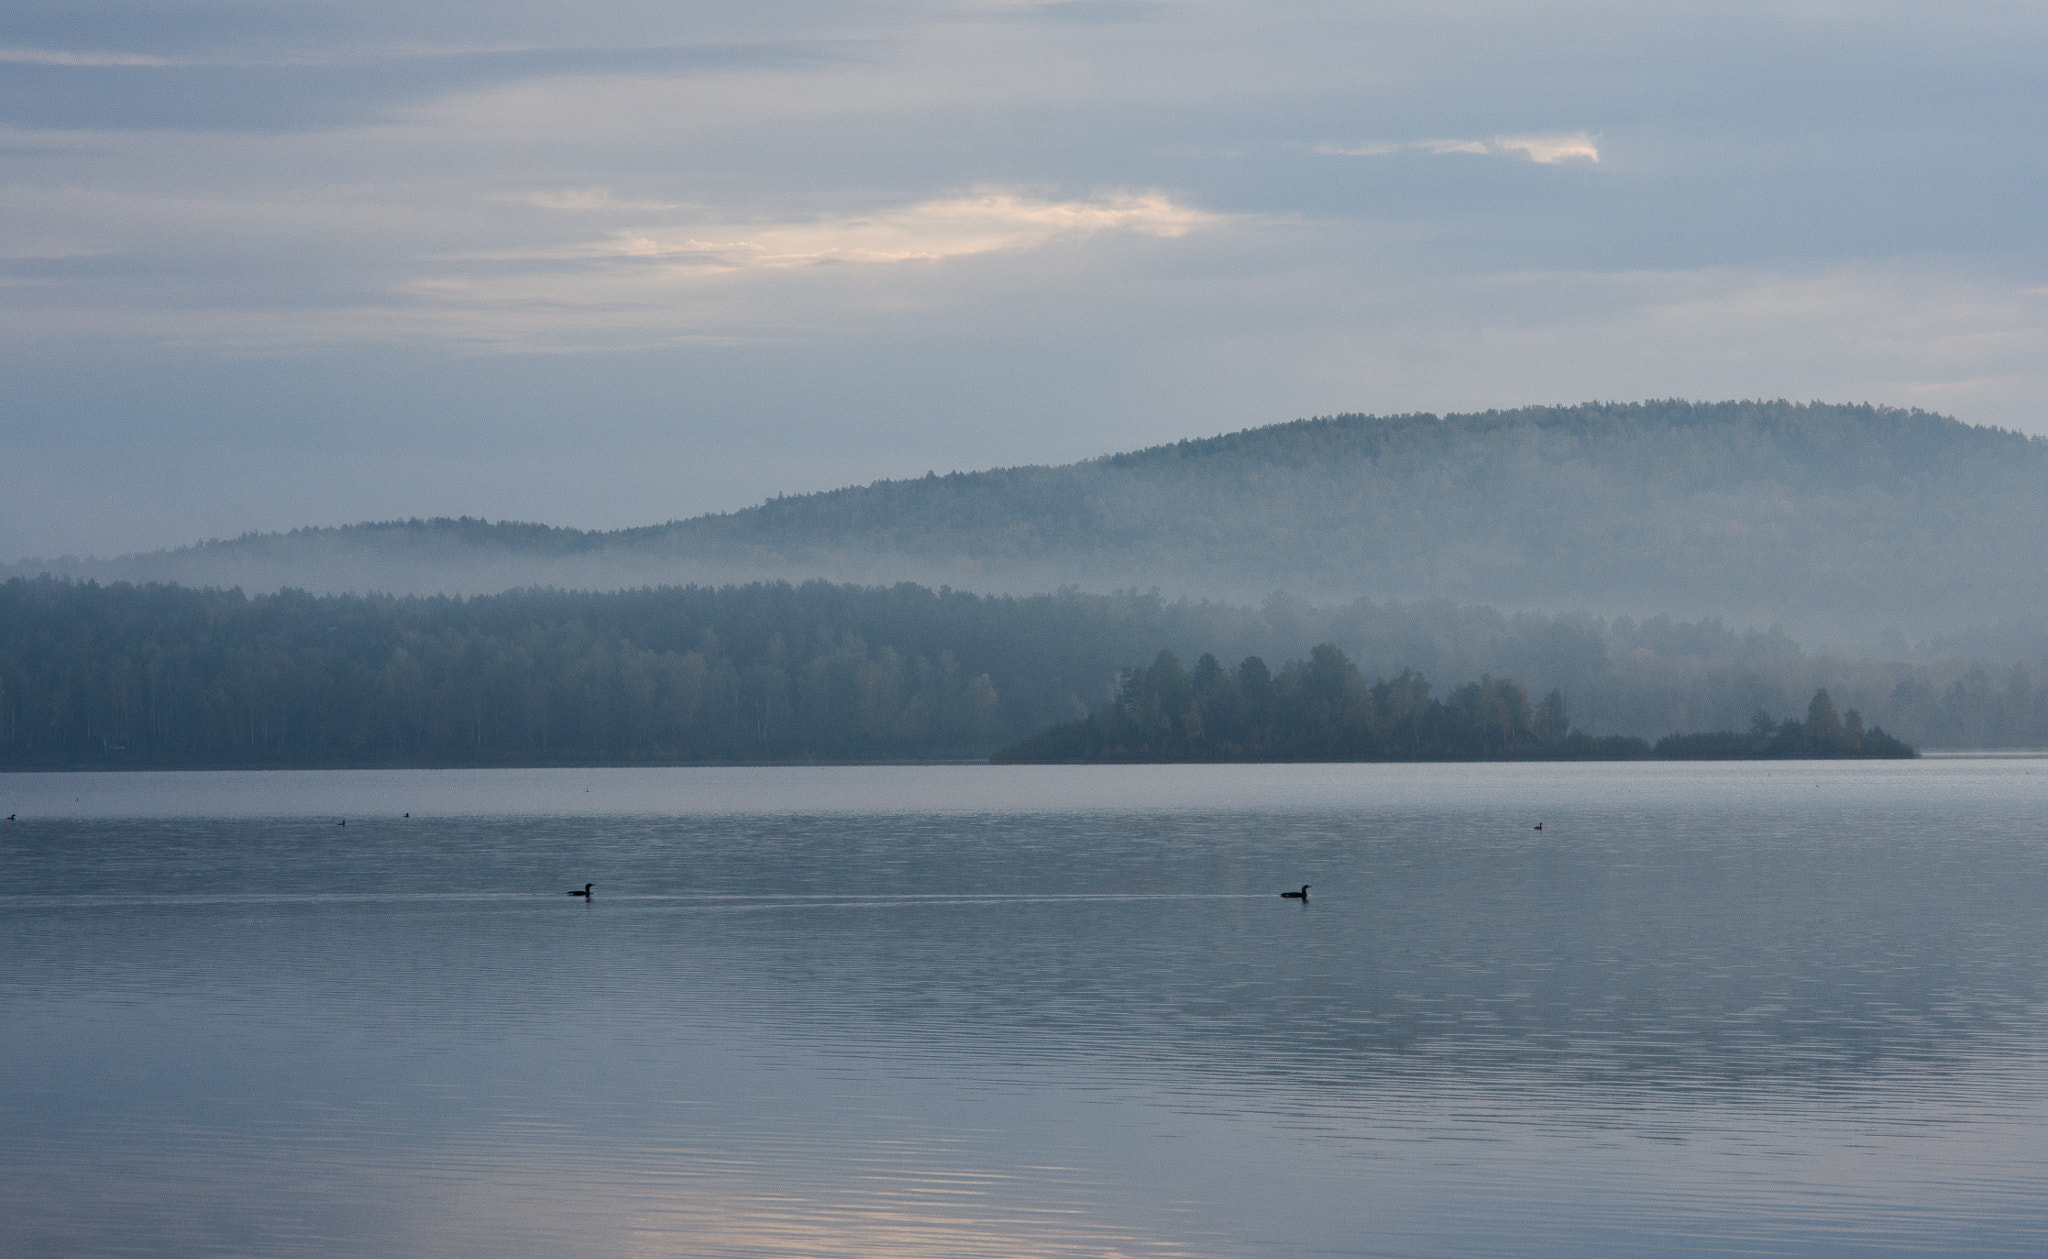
(703, 280)
(984, 221)
(1548, 149)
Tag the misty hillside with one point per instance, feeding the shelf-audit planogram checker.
(1844, 520)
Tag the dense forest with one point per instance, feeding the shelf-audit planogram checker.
(163, 675)
(1841, 522)
(1323, 709)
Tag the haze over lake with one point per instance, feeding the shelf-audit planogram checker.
(1792, 1008)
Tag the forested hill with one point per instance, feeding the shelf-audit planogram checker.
(1828, 518)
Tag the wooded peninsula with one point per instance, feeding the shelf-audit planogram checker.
(1323, 709)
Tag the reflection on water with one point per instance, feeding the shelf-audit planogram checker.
(1706, 1010)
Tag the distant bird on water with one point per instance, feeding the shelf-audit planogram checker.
(1539, 826)
(585, 893)
(342, 822)
(1301, 896)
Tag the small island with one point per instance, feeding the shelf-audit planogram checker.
(1323, 709)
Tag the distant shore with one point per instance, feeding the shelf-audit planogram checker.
(139, 767)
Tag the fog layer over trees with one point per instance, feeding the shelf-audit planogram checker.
(1841, 522)
(128, 675)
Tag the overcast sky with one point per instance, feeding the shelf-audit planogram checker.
(271, 264)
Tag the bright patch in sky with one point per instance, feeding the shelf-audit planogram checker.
(930, 231)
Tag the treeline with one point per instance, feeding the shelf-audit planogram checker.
(161, 675)
(164, 675)
(1320, 709)
(1323, 709)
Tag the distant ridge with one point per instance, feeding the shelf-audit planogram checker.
(1822, 516)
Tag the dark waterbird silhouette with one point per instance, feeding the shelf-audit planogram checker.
(1539, 826)
(1301, 896)
(585, 893)
(342, 822)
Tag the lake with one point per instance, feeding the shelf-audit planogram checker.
(1709, 1009)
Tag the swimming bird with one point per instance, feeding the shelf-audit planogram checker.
(1301, 896)
(342, 822)
(585, 893)
(1539, 826)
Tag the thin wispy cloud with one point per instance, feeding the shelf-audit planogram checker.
(984, 221)
(728, 281)
(61, 57)
(1548, 149)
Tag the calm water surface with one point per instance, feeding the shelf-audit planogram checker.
(1707, 1010)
